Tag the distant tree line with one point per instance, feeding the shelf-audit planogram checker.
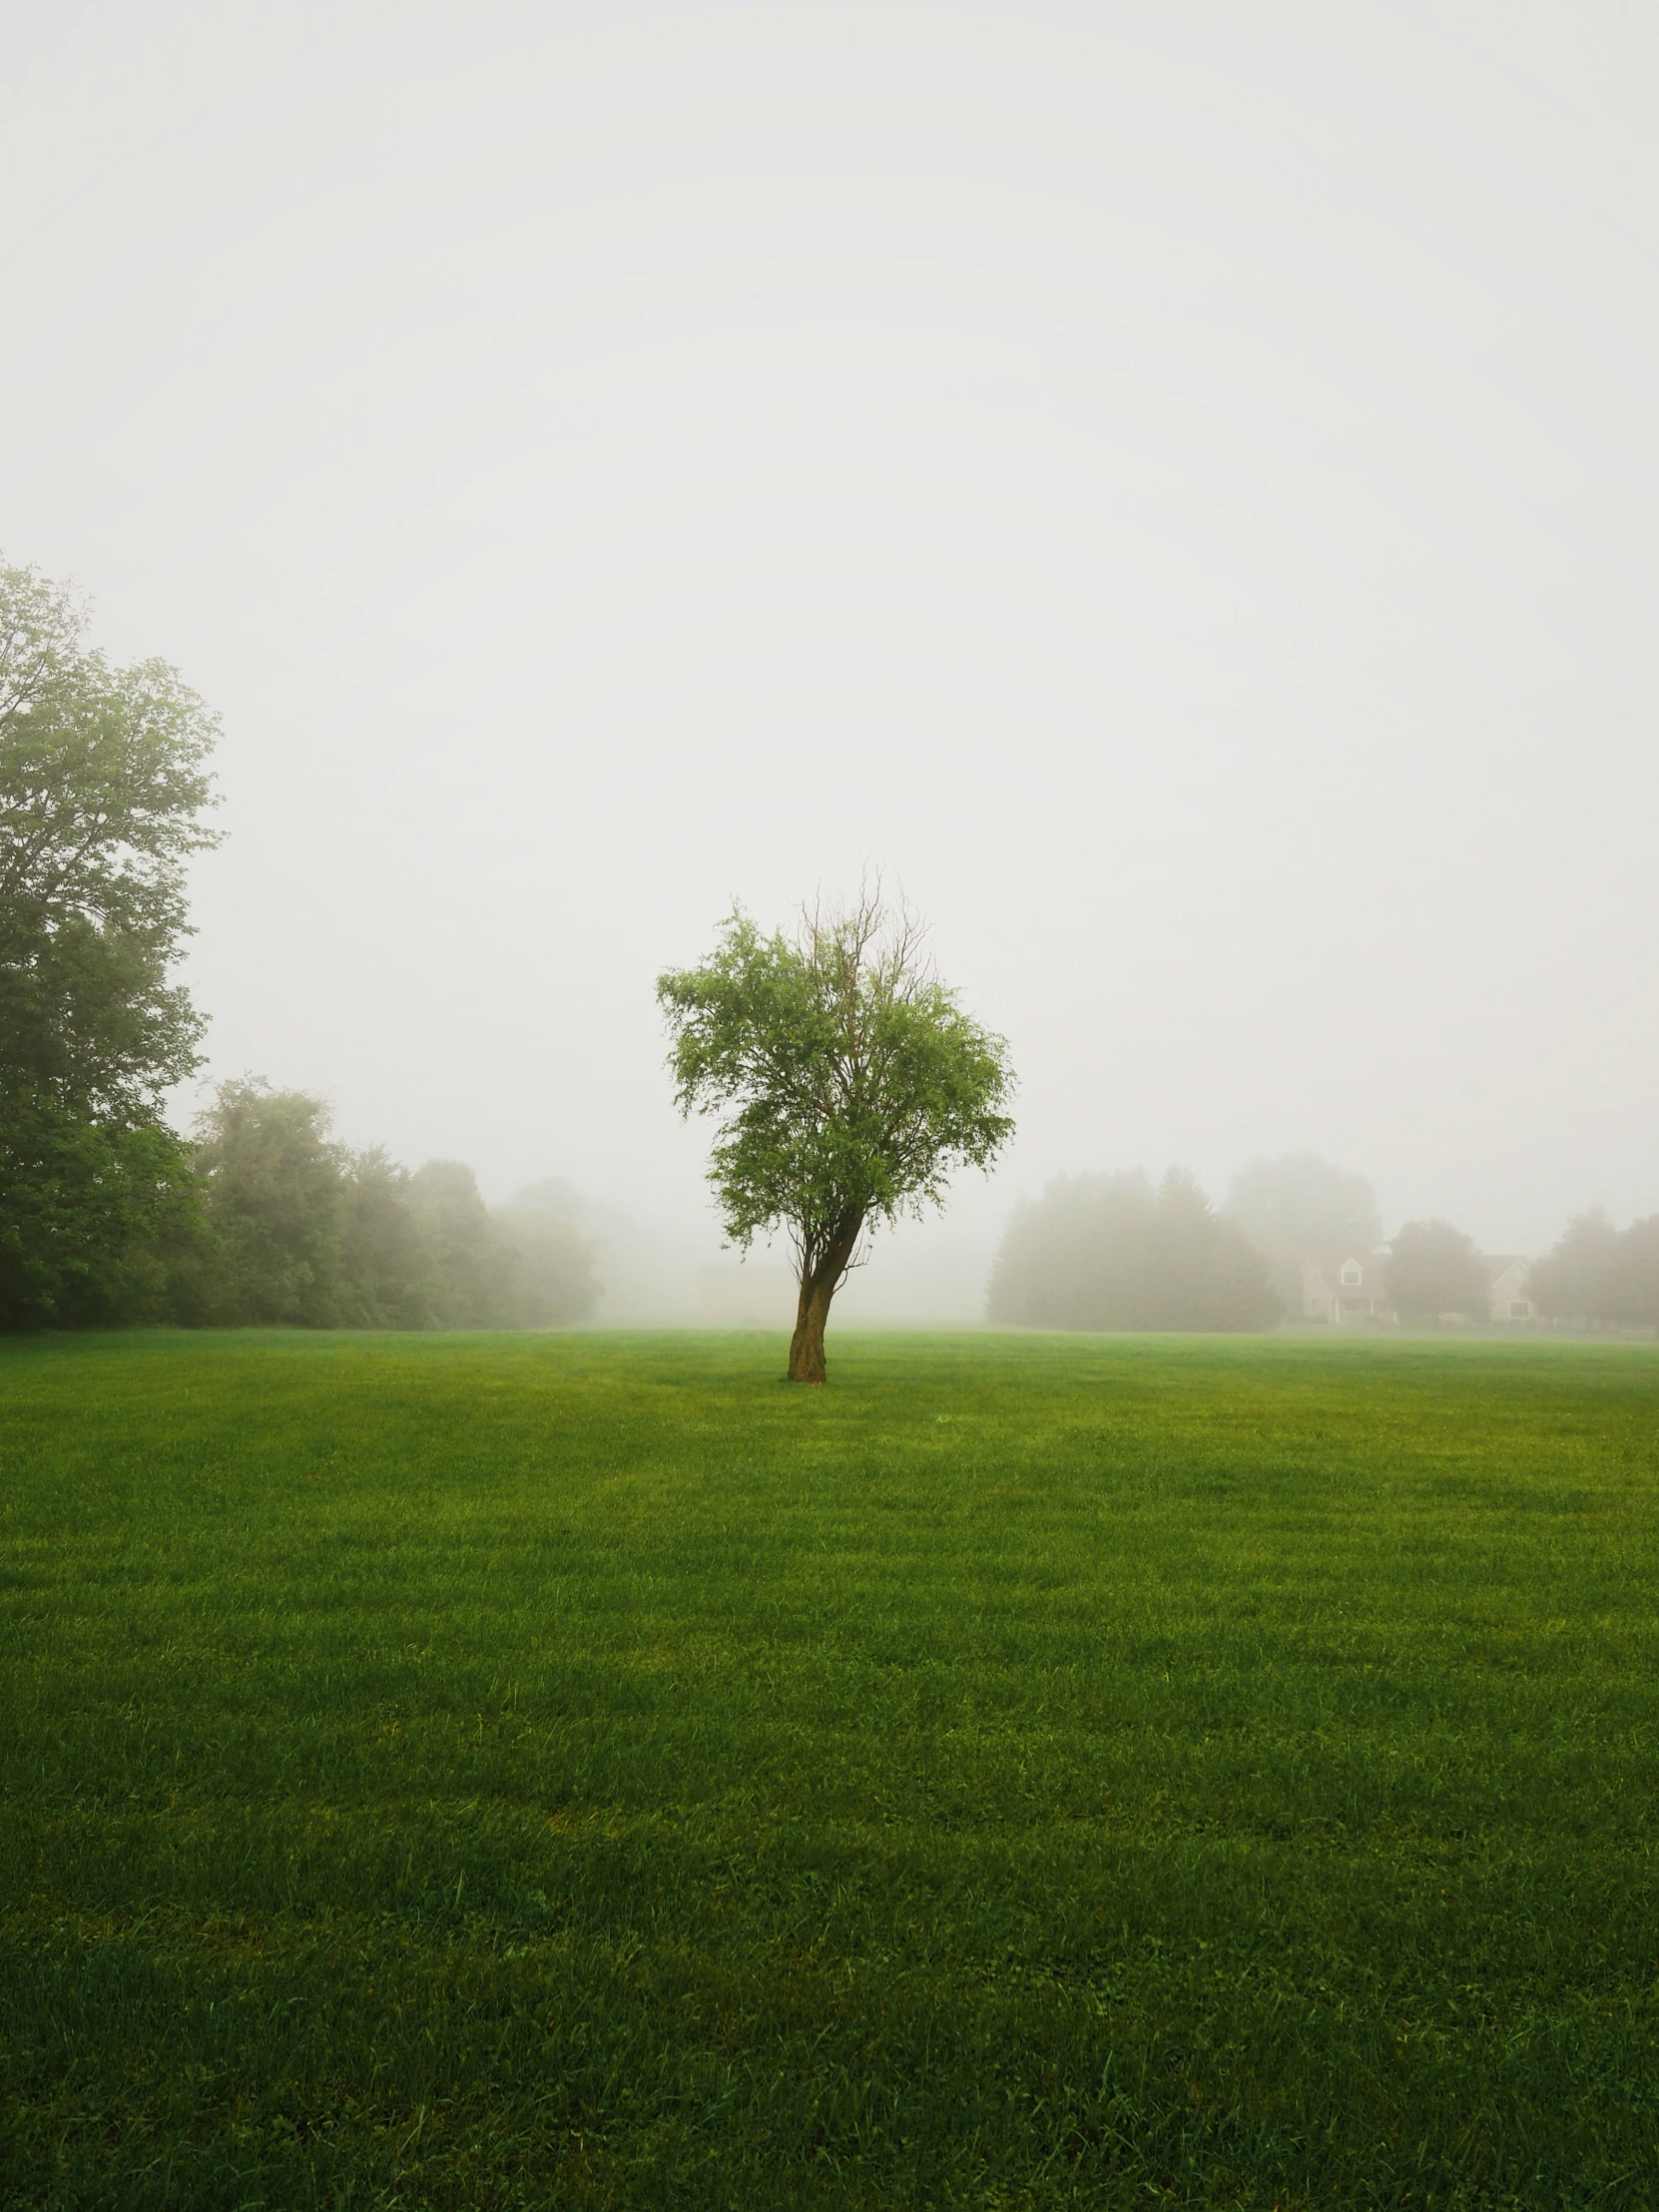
(1110, 1252)
(1113, 1251)
(107, 1213)
(295, 1229)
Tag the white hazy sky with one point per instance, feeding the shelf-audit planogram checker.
(1174, 484)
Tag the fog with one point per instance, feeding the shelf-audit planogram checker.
(1173, 485)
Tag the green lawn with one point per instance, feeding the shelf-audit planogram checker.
(1034, 1771)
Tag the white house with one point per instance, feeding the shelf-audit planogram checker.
(1352, 1289)
(1346, 1290)
(1509, 1276)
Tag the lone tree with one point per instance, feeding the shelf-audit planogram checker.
(850, 1083)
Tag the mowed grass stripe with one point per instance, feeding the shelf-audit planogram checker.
(1034, 1771)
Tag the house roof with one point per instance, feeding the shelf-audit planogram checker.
(1370, 1262)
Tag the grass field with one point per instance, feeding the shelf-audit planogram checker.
(1032, 1771)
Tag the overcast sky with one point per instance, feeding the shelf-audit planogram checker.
(1174, 485)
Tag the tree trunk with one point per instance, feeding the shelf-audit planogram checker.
(819, 1284)
(807, 1345)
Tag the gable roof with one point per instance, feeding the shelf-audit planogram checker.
(1371, 1265)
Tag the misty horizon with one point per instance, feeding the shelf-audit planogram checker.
(655, 1276)
(1175, 493)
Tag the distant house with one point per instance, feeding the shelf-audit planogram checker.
(1346, 1290)
(1509, 1276)
(1351, 1289)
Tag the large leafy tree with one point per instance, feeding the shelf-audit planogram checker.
(1636, 1275)
(1576, 1278)
(1300, 1208)
(103, 787)
(385, 1264)
(554, 1283)
(1598, 1272)
(1434, 1268)
(273, 1181)
(1110, 1252)
(303, 1233)
(850, 1082)
(471, 1266)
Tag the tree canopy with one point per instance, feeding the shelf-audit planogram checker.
(1298, 1208)
(104, 785)
(849, 1084)
(1596, 1272)
(1434, 1268)
(554, 1281)
(1110, 1252)
(302, 1232)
